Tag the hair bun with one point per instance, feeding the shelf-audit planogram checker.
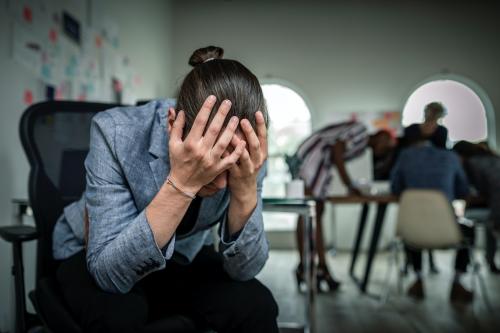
(202, 55)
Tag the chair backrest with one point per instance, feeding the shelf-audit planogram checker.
(426, 220)
(55, 137)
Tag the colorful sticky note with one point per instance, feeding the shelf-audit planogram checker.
(59, 93)
(53, 35)
(27, 14)
(28, 97)
(98, 41)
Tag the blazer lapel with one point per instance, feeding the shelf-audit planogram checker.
(158, 149)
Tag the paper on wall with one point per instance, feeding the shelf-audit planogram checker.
(91, 54)
(71, 60)
(110, 32)
(26, 13)
(26, 49)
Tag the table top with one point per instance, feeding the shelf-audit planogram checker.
(364, 198)
(286, 201)
(342, 199)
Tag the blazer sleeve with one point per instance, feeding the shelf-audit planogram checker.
(121, 246)
(245, 253)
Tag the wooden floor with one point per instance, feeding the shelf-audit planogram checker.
(349, 311)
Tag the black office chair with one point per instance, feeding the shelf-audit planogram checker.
(55, 137)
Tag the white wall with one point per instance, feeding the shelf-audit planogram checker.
(348, 55)
(345, 55)
(145, 36)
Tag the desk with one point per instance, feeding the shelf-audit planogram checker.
(382, 201)
(306, 208)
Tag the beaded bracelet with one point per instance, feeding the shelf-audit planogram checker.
(186, 194)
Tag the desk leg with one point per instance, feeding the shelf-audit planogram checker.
(377, 228)
(309, 267)
(359, 237)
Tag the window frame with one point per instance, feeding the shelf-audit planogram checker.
(476, 88)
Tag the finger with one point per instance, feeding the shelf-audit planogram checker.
(233, 167)
(171, 113)
(225, 138)
(178, 127)
(252, 140)
(200, 122)
(261, 131)
(230, 161)
(216, 124)
(245, 161)
(235, 141)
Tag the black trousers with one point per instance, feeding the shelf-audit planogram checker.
(461, 259)
(201, 290)
(491, 245)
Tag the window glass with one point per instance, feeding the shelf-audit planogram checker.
(466, 115)
(290, 124)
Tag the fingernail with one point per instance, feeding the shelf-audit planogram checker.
(211, 98)
(228, 102)
(234, 121)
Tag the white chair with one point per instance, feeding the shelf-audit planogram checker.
(426, 221)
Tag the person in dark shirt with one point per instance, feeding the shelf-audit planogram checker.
(424, 166)
(429, 129)
(482, 166)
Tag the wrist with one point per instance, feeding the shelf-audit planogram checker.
(244, 192)
(167, 192)
(240, 210)
(244, 198)
(182, 185)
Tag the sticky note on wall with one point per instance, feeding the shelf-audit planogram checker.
(28, 97)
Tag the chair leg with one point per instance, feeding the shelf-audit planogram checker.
(477, 277)
(18, 272)
(393, 263)
(476, 268)
(402, 271)
(387, 284)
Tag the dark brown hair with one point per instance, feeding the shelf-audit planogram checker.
(223, 78)
(468, 149)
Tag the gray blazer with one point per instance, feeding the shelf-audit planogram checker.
(126, 166)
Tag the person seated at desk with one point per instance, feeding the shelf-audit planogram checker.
(430, 129)
(424, 166)
(332, 145)
(482, 166)
(158, 179)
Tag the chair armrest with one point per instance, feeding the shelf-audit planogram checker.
(18, 233)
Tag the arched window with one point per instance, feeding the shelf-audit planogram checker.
(290, 124)
(466, 117)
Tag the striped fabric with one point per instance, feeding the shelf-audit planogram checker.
(313, 160)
